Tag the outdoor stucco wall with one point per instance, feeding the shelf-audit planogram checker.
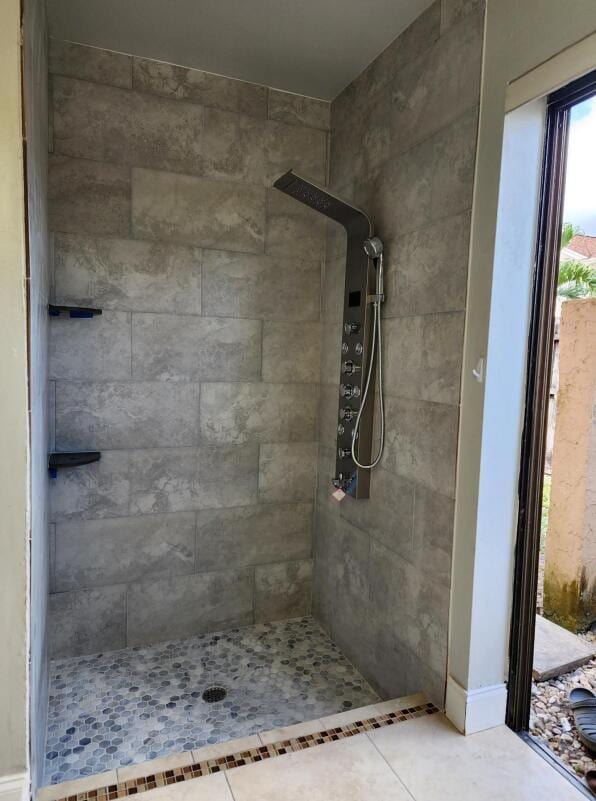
(570, 558)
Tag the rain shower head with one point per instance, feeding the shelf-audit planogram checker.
(316, 197)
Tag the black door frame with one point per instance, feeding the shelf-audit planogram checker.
(538, 376)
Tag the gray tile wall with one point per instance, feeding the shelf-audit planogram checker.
(199, 383)
(403, 144)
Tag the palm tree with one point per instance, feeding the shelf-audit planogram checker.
(576, 279)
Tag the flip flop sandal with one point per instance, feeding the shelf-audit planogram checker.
(590, 778)
(583, 704)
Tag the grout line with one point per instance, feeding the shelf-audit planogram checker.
(389, 765)
(229, 785)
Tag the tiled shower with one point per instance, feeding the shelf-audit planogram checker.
(204, 548)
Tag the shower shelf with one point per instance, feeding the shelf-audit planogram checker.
(72, 311)
(61, 461)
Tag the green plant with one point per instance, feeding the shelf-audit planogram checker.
(576, 279)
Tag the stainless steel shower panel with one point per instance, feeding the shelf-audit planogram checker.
(356, 329)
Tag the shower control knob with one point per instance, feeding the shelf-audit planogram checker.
(349, 367)
(345, 348)
(351, 328)
(348, 391)
(344, 453)
(340, 429)
(347, 414)
(358, 348)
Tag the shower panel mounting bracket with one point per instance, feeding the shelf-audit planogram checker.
(356, 330)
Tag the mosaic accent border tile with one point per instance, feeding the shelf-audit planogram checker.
(257, 754)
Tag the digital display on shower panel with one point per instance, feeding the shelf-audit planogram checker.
(356, 331)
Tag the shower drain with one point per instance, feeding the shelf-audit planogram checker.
(213, 694)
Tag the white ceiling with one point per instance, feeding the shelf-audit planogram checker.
(312, 47)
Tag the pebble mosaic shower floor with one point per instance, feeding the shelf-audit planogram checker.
(129, 706)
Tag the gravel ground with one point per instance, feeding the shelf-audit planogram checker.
(551, 719)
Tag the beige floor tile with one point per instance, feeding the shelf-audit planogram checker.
(436, 763)
(345, 770)
(76, 786)
(228, 747)
(155, 766)
(206, 788)
(349, 716)
(383, 707)
(288, 732)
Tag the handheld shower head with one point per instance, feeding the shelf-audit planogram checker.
(373, 247)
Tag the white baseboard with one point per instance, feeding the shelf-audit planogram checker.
(475, 710)
(14, 787)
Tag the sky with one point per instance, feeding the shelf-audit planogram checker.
(580, 185)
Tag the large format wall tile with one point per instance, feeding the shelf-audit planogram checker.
(341, 584)
(433, 532)
(293, 229)
(95, 553)
(99, 489)
(90, 63)
(274, 288)
(183, 208)
(453, 168)
(237, 413)
(110, 124)
(201, 87)
(88, 197)
(440, 85)
(417, 38)
(293, 147)
(252, 535)
(291, 352)
(233, 147)
(426, 270)
(287, 471)
(127, 274)
(174, 479)
(182, 606)
(299, 110)
(90, 349)
(422, 356)
(388, 514)
(168, 346)
(125, 415)
(421, 442)
(283, 590)
(453, 10)
(87, 621)
(331, 342)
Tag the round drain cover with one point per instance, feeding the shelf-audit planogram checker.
(213, 694)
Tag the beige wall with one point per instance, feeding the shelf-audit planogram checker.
(518, 38)
(570, 560)
(13, 408)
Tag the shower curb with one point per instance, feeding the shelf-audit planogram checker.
(246, 757)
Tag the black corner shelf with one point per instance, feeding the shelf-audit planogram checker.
(62, 461)
(72, 311)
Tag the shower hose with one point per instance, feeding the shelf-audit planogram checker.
(376, 347)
